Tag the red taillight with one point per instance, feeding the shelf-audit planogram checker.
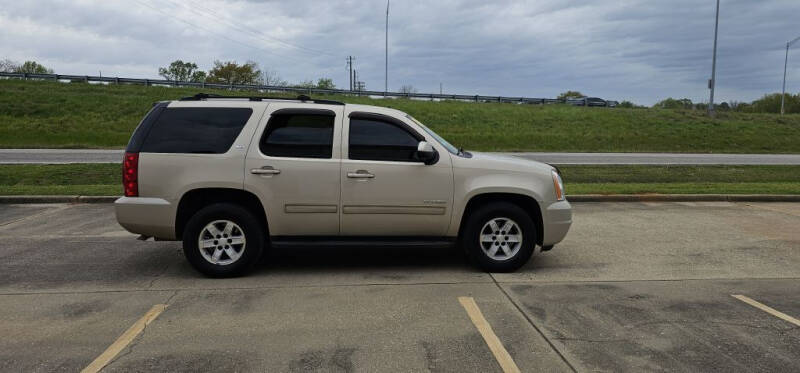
(130, 174)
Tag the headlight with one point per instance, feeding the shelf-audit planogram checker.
(558, 185)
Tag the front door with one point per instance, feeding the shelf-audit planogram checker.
(385, 191)
(294, 168)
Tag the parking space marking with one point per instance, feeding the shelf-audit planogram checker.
(500, 353)
(101, 361)
(767, 309)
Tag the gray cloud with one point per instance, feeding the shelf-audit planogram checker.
(633, 49)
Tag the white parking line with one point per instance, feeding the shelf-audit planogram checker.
(500, 353)
(101, 361)
(767, 309)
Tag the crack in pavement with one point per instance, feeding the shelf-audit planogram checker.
(46, 211)
(535, 327)
(688, 322)
(136, 341)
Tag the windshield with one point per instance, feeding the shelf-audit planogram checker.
(450, 148)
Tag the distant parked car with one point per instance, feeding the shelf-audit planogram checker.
(612, 103)
(586, 101)
(595, 101)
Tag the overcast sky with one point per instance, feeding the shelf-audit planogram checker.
(638, 50)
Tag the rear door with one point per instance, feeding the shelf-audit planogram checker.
(385, 191)
(293, 166)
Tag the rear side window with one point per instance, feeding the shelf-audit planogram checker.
(302, 135)
(381, 141)
(196, 130)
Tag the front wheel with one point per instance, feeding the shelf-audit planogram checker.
(223, 240)
(499, 237)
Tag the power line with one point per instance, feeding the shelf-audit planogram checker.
(212, 14)
(219, 35)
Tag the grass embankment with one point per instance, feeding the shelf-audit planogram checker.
(104, 179)
(79, 115)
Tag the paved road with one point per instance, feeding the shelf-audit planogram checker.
(56, 156)
(634, 287)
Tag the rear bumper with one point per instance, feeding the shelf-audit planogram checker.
(556, 220)
(154, 217)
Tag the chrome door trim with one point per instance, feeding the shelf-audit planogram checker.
(396, 209)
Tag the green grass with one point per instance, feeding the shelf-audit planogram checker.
(681, 179)
(79, 115)
(61, 190)
(679, 174)
(71, 179)
(104, 179)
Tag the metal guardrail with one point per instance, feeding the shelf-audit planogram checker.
(256, 87)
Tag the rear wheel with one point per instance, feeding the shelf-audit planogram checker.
(223, 240)
(499, 237)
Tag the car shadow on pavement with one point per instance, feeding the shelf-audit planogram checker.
(321, 258)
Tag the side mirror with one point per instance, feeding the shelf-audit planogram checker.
(426, 153)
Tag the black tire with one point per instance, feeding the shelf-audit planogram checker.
(248, 225)
(472, 231)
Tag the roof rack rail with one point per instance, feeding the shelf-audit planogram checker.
(302, 98)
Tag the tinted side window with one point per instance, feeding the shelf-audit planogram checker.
(381, 141)
(298, 135)
(196, 130)
(141, 131)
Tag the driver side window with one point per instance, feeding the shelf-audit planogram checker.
(378, 140)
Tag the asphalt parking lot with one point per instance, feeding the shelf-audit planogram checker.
(635, 286)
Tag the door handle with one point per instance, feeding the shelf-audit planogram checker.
(360, 174)
(266, 170)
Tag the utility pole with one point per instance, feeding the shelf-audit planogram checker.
(785, 64)
(355, 80)
(386, 66)
(713, 82)
(350, 74)
(440, 87)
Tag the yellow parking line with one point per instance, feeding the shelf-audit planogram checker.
(123, 340)
(500, 353)
(767, 309)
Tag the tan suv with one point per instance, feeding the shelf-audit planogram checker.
(232, 176)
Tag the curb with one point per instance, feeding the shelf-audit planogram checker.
(573, 198)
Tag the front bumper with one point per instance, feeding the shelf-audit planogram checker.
(556, 220)
(153, 217)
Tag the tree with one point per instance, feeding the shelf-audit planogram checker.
(306, 84)
(229, 72)
(8, 66)
(271, 78)
(325, 83)
(626, 104)
(771, 103)
(570, 94)
(182, 71)
(408, 89)
(671, 103)
(198, 76)
(32, 67)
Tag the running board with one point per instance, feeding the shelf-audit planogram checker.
(292, 242)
